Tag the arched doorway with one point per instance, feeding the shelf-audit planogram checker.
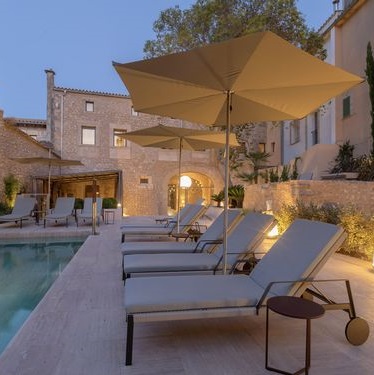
(194, 186)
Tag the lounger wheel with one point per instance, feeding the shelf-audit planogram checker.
(357, 331)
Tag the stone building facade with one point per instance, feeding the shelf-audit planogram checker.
(88, 126)
(15, 143)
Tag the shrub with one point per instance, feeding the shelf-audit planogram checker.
(345, 161)
(11, 188)
(78, 204)
(359, 227)
(365, 168)
(5, 208)
(110, 203)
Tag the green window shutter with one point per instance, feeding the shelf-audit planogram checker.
(346, 106)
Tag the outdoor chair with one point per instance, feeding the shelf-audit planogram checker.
(22, 210)
(192, 215)
(209, 239)
(243, 238)
(63, 210)
(152, 221)
(86, 214)
(288, 268)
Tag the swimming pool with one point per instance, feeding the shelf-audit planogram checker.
(27, 269)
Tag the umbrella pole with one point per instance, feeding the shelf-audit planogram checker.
(227, 174)
(94, 207)
(49, 189)
(179, 183)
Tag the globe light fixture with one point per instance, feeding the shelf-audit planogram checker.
(185, 182)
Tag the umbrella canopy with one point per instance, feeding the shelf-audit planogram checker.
(180, 139)
(175, 138)
(50, 162)
(258, 77)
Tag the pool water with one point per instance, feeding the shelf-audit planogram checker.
(27, 270)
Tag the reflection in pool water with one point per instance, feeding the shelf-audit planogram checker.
(27, 270)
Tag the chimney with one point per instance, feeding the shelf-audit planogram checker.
(50, 86)
(335, 4)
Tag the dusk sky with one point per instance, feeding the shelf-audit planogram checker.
(79, 39)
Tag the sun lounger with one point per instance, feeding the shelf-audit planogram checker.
(244, 237)
(209, 239)
(152, 221)
(86, 214)
(63, 209)
(22, 210)
(191, 216)
(289, 268)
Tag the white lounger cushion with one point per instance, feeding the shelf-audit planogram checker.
(214, 232)
(146, 294)
(193, 213)
(246, 234)
(169, 262)
(294, 258)
(299, 254)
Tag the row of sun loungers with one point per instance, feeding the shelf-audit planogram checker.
(25, 206)
(190, 284)
(187, 218)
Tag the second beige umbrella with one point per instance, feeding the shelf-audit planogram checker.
(180, 139)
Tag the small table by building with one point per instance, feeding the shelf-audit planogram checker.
(109, 216)
(298, 308)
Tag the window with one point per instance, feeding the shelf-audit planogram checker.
(262, 147)
(294, 132)
(143, 180)
(272, 146)
(346, 106)
(118, 138)
(89, 106)
(133, 112)
(88, 135)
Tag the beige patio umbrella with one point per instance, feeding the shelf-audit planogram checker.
(258, 77)
(51, 163)
(180, 139)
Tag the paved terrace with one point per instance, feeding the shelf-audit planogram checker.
(79, 327)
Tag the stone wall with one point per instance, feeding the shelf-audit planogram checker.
(358, 194)
(16, 144)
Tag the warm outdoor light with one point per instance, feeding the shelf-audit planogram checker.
(273, 232)
(185, 182)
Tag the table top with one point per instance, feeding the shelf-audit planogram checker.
(295, 307)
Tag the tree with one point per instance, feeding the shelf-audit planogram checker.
(209, 21)
(258, 160)
(370, 80)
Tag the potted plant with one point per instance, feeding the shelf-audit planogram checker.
(345, 162)
(236, 196)
(111, 210)
(218, 198)
(109, 203)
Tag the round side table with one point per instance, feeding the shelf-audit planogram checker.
(298, 308)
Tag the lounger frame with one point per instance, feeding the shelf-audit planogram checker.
(304, 285)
